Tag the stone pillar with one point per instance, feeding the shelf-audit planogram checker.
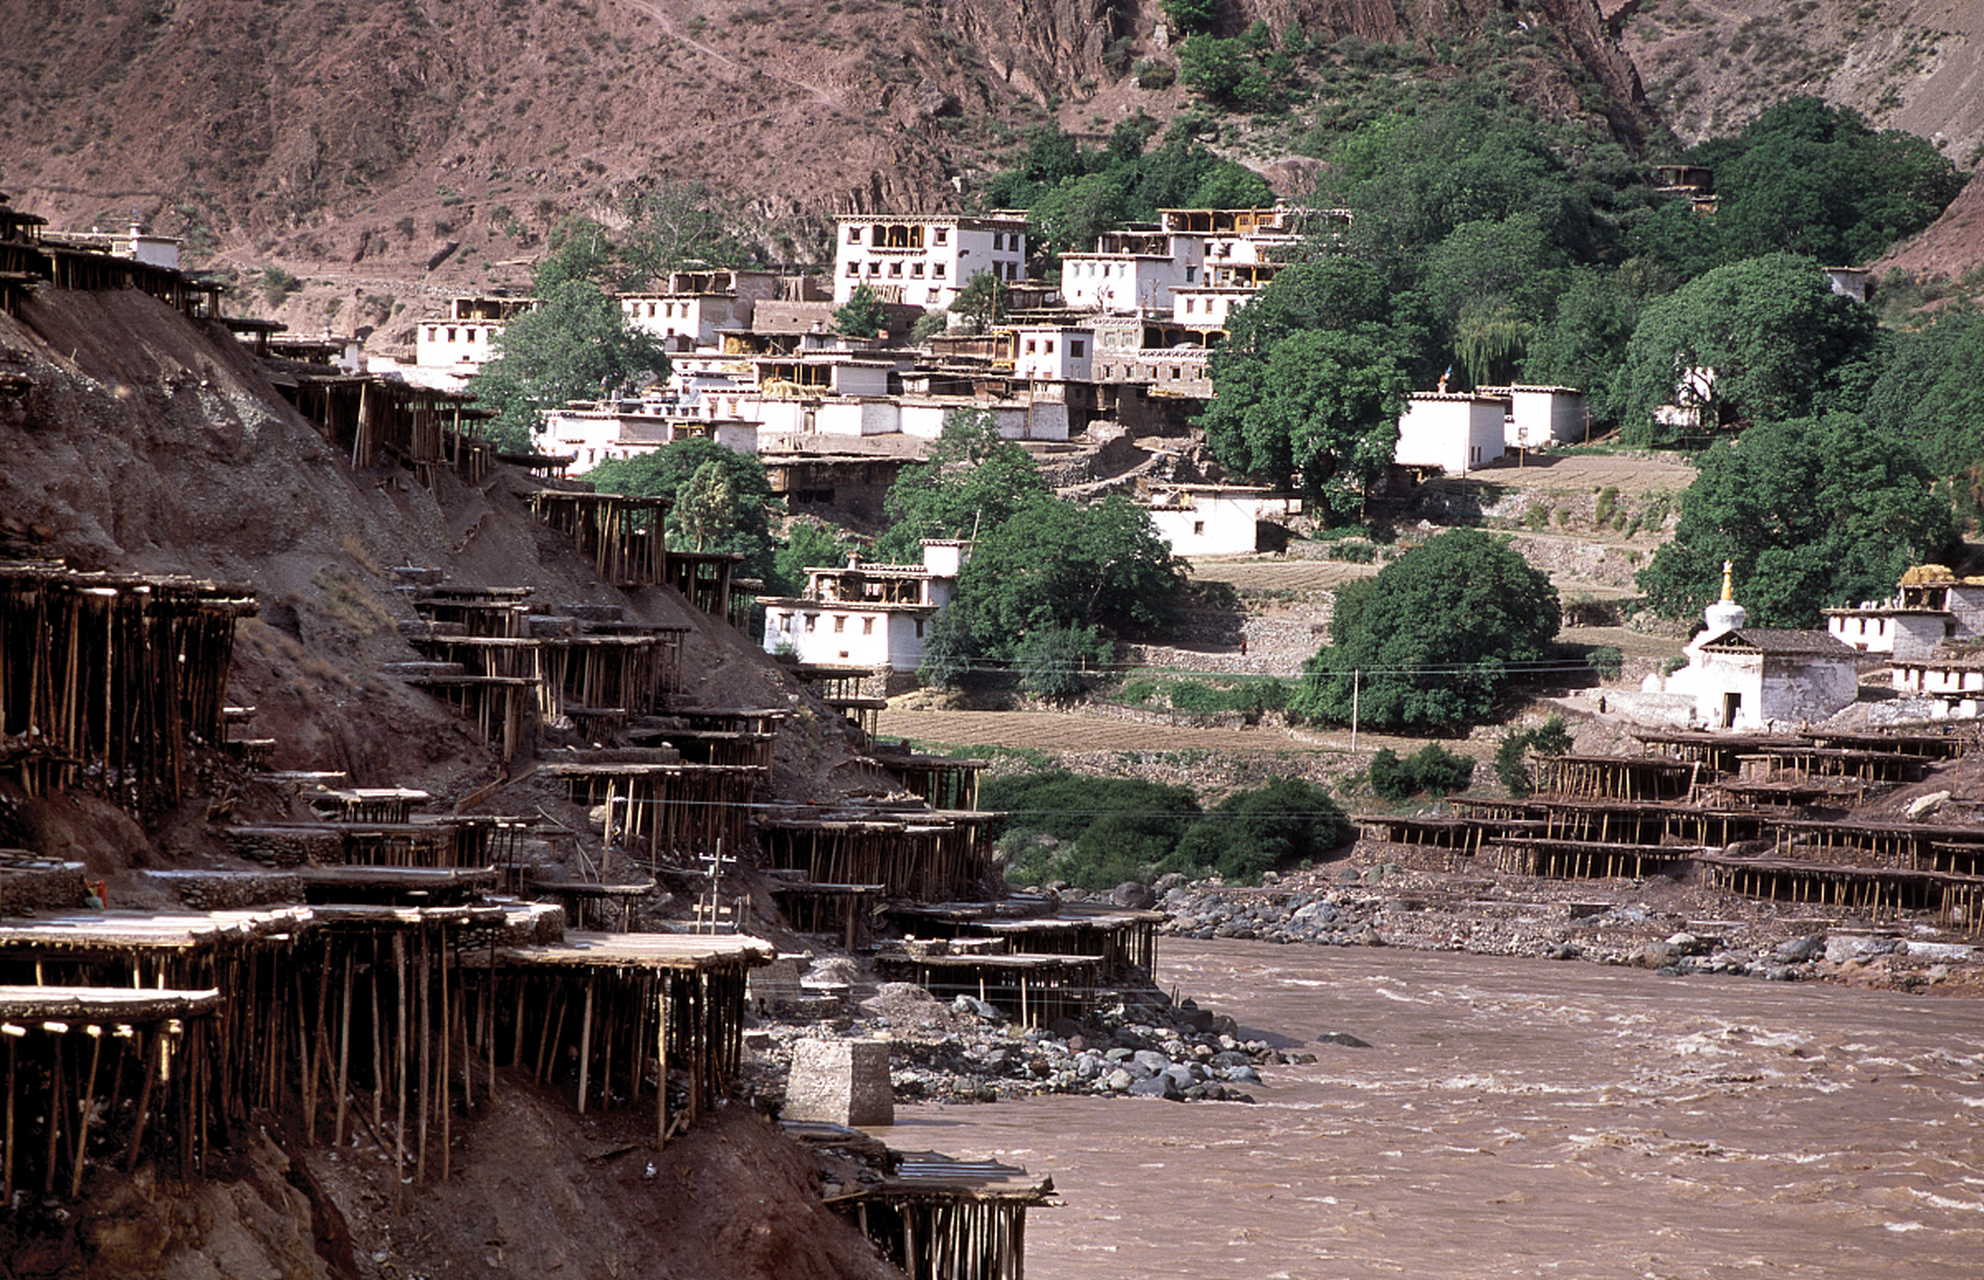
(841, 1082)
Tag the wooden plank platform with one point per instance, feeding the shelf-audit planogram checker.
(100, 1005)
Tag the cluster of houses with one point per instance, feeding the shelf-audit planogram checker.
(1123, 340)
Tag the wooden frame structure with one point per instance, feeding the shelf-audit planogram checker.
(107, 681)
(621, 534)
(942, 1219)
(600, 1012)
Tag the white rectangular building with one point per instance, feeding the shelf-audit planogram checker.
(925, 259)
(1454, 431)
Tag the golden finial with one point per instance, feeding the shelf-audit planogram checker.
(1728, 591)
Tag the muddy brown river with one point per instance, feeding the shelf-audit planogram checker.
(1519, 1118)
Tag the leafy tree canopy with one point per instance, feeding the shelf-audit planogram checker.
(1283, 823)
(972, 481)
(1779, 342)
(1813, 512)
(1428, 642)
(1057, 564)
(572, 346)
(1814, 179)
(809, 544)
(704, 477)
(1072, 194)
(1312, 379)
(1057, 663)
(862, 315)
(1931, 390)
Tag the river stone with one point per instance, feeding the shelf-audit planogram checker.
(1119, 1080)
(1133, 894)
(1343, 1038)
(1149, 1060)
(976, 1007)
(1793, 950)
(1157, 1087)
(843, 1082)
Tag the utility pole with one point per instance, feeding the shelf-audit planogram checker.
(1356, 684)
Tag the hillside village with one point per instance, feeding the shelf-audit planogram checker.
(420, 856)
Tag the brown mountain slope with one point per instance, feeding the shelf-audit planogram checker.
(352, 140)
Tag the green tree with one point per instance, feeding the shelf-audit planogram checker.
(1779, 342)
(1053, 563)
(578, 249)
(1931, 390)
(1429, 642)
(1188, 16)
(705, 506)
(675, 470)
(1057, 663)
(673, 225)
(1106, 830)
(1812, 512)
(1286, 822)
(1519, 746)
(1808, 178)
(1583, 343)
(982, 301)
(862, 315)
(1324, 402)
(808, 544)
(572, 345)
(972, 481)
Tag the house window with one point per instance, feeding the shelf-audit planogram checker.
(840, 623)
(451, 335)
(1191, 305)
(998, 241)
(1029, 346)
(867, 626)
(1048, 346)
(895, 268)
(468, 335)
(431, 331)
(811, 618)
(854, 268)
(940, 235)
(1198, 528)
(916, 269)
(1191, 275)
(937, 270)
(1077, 348)
(854, 235)
(919, 628)
(874, 268)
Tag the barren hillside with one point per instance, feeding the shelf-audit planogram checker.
(353, 142)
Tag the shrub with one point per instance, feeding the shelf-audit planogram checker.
(1156, 73)
(1607, 661)
(1517, 746)
(1432, 769)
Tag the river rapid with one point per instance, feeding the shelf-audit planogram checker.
(1518, 1118)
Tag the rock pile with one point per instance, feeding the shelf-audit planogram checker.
(1139, 1044)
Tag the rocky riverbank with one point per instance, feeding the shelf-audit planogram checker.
(1655, 923)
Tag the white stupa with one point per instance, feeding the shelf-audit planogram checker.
(1725, 614)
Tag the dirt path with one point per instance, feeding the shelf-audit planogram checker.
(1058, 733)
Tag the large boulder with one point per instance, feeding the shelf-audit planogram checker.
(842, 1082)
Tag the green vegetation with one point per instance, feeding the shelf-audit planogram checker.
(1429, 642)
(1773, 339)
(1813, 512)
(277, 285)
(575, 343)
(862, 315)
(1432, 769)
(1311, 380)
(1519, 746)
(1096, 833)
(723, 499)
(1250, 696)
(1072, 195)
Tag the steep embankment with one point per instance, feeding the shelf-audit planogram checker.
(136, 440)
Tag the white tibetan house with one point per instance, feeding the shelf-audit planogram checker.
(1538, 417)
(874, 616)
(1454, 431)
(1214, 519)
(1754, 679)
